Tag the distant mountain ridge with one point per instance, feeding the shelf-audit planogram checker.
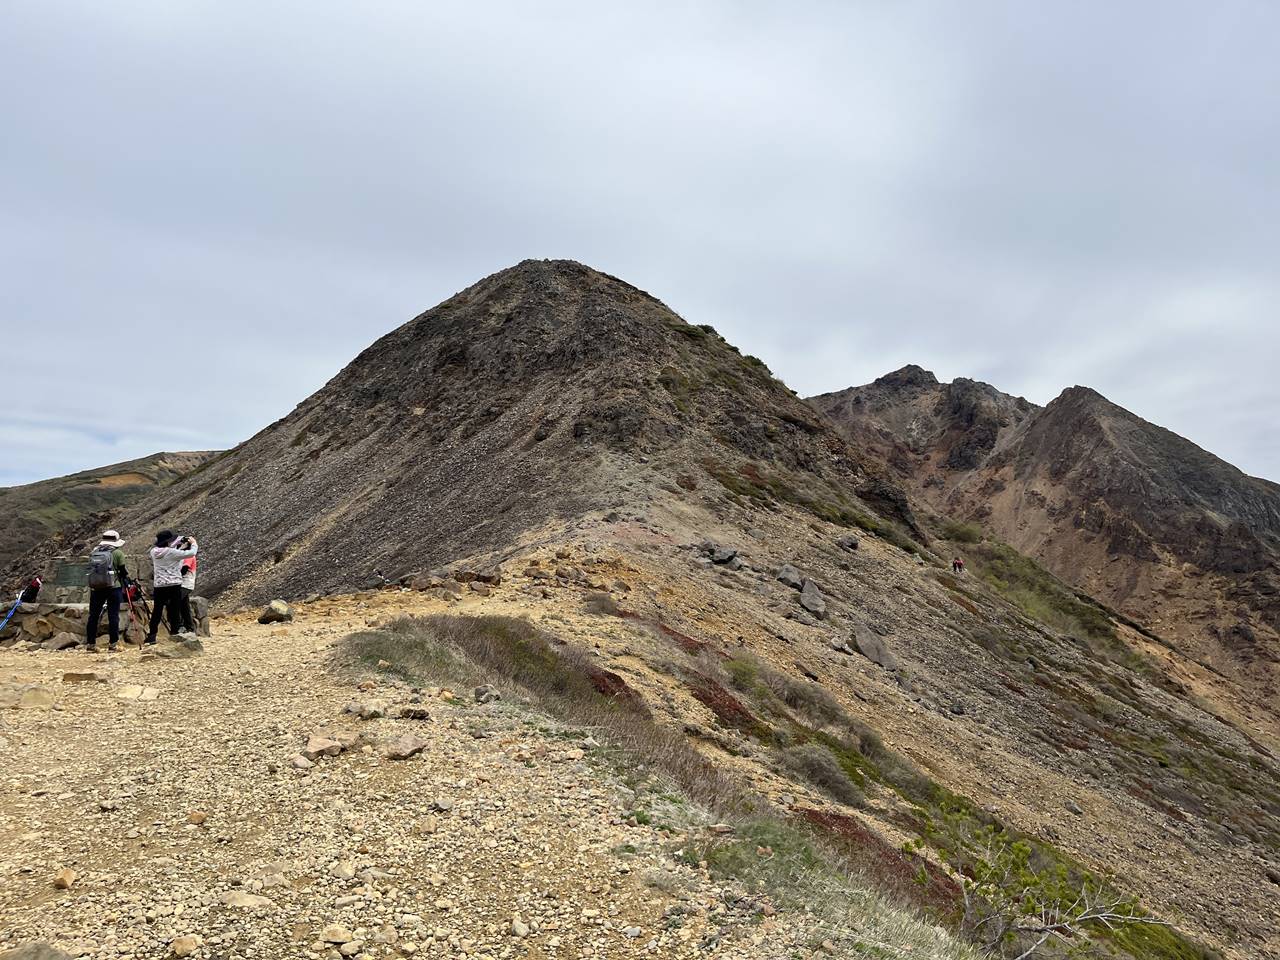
(31, 513)
(1123, 509)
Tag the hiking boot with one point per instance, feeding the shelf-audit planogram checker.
(113, 648)
(90, 648)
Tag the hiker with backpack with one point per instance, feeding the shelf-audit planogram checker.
(108, 576)
(166, 562)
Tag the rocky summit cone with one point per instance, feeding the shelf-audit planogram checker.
(536, 395)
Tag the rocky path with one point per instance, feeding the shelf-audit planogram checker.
(159, 810)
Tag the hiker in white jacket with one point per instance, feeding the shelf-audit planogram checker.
(166, 563)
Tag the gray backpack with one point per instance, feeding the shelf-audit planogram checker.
(102, 572)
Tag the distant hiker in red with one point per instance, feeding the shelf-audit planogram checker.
(188, 569)
(957, 565)
(166, 562)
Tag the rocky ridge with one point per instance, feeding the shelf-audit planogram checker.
(1124, 510)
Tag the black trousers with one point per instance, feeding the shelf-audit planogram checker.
(184, 607)
(167, 601)
(108, 597)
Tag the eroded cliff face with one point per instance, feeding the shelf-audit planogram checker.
(1124, 510)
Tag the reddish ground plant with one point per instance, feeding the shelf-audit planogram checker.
(914, 879)
(728, 709)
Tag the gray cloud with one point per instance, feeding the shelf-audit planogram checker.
(216, 205)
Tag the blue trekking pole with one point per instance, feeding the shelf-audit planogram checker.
(27, 594)
(12, 610)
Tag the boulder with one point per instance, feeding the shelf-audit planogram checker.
(723, 554)
(789, 576)
(277, 611)
(321, 747)
(61, 641)
(406, 746)
(180, 649)
(367, 709)
(873, 647)
(37, 627)
(30, 697)
(35, 951)
(811, 599)
(848, 542)
(200, 609)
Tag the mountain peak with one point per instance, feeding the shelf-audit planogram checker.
(911, 375)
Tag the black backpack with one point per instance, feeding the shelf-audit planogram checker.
(102, 572)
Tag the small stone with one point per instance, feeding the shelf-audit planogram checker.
(487, 693)
(184, 946)
(367, 709)
(519, 928)
(406, 746)
(343, 870)
(277, 611)
(85, 676)
(197, 817)
(245, 901)
(301, 763)
(321, 747)
(1073, 807)
(64, 878)
(631, 932)
(336, 933)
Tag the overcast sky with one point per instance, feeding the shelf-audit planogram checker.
(207, 209)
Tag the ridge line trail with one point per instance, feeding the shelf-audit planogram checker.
(498, 839)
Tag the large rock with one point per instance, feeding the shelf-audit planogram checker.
(180, 649)
(790, 576)
(35, 951)
(61, 641)
(872, 646)
(811, 599)
(200, 610)
(406, 746)
(318, 746)
(277, 611)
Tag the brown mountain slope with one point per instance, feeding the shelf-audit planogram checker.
(1122, 509)
(33, 512)
(645, 487)
(528, 396)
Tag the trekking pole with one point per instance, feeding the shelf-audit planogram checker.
(12, 610)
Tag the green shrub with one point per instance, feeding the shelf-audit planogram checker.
(816, 764)
(959, 532)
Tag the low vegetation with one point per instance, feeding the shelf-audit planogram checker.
(764, 487)
(821, 859)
